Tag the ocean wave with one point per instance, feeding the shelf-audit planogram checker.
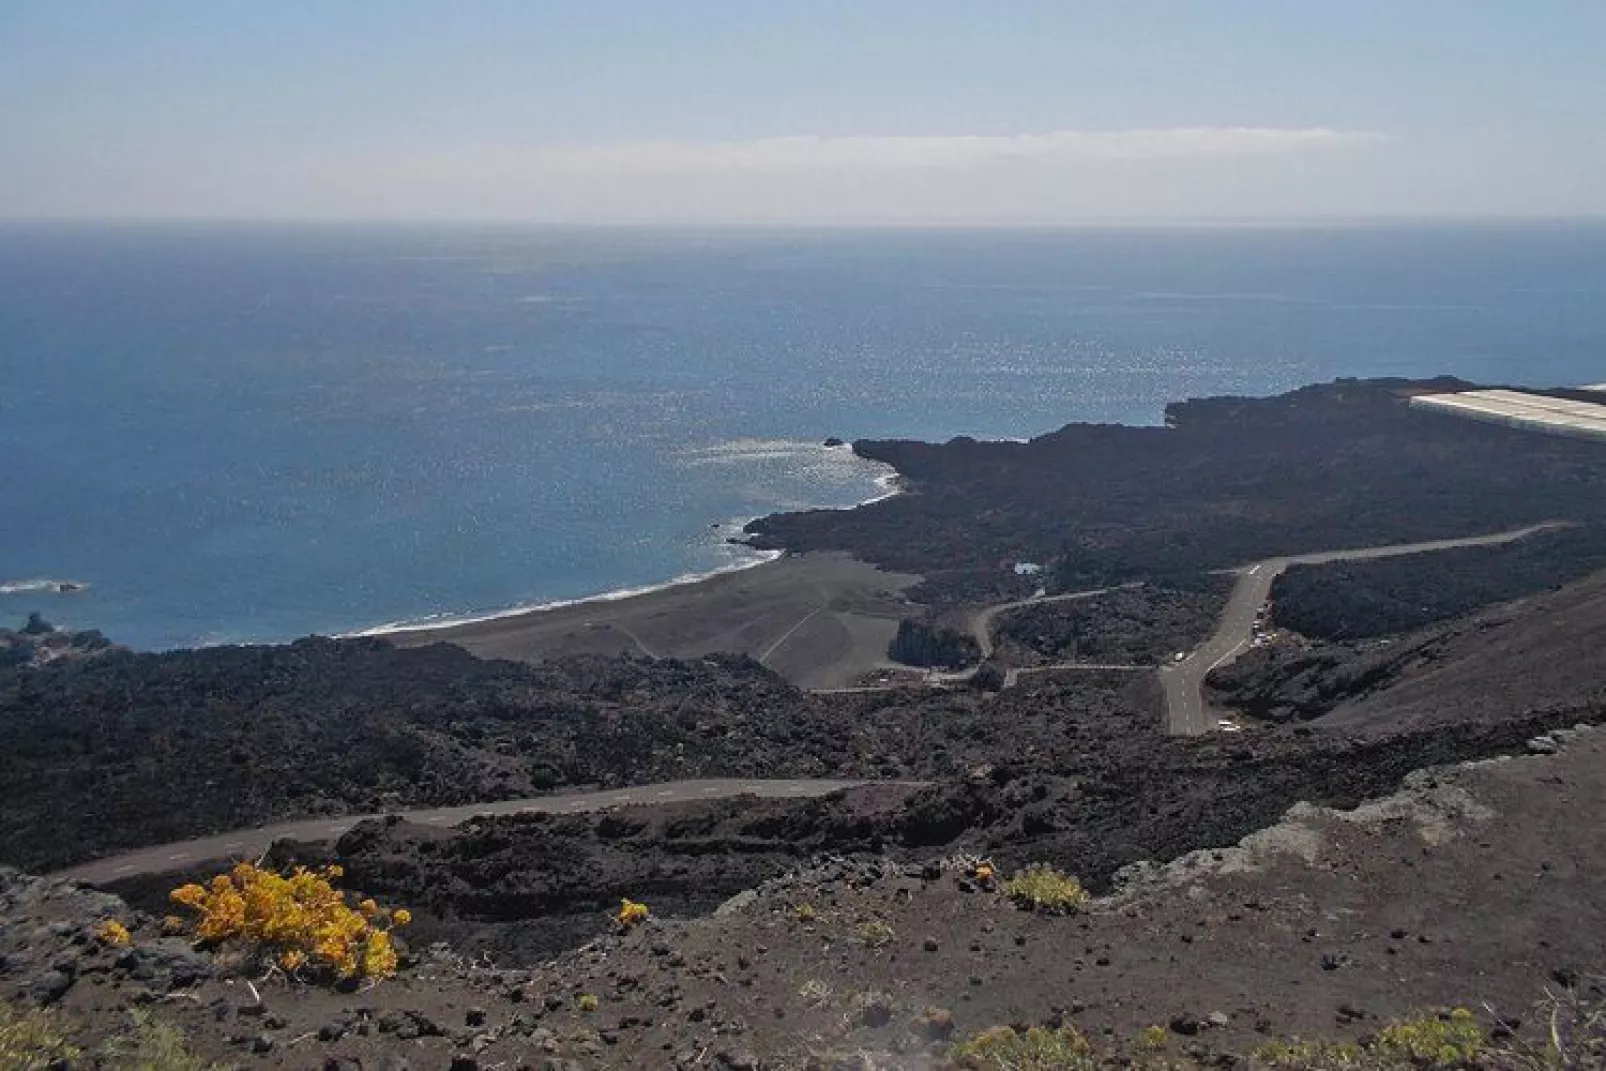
(735, 451)
(42, 584)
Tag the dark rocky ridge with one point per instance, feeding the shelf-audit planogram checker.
(38, 642)
(1531, 655)
(1365, 599)
(133, 749)
(1143, 625)
(526, 886)
(1228, 481)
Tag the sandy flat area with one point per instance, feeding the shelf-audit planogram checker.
(821, 620)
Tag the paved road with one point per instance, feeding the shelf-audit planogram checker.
(981, 625)
(250, 843)
(1186, 711)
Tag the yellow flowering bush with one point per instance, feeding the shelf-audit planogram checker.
(113, 933)
(1042, 888)
(630, 914)
(297, 920)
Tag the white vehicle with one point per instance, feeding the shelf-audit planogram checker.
(1179, 656)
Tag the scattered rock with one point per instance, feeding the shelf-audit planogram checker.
(50, 986)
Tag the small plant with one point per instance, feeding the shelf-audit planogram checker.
(806, 913)
(1424, 1043)
(874, 934)
(816, 992)
(983, 871)
(1153, 1038)
(33, 1040)
(1002, 1048)
(1042, 888)
(295, 921)
(586, 1002)
(152, 1045)
(113, 934)
(1431, 1041)
(630, 914)
(1304, 1055)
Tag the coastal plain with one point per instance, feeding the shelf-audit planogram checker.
(821, 620)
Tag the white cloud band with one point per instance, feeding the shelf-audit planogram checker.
(814, 153)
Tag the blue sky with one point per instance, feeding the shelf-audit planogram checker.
(875, 111)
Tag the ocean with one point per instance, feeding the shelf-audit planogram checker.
(248, 433)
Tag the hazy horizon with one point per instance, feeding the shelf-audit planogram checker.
(714, 113)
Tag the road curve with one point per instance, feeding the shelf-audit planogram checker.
(981, 625)
(250, 843)
(1186, 711)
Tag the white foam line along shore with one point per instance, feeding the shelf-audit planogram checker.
(761, 557)
(887, 480)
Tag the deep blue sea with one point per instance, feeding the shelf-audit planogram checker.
(251, 433)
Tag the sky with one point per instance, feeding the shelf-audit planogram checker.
(802, 111)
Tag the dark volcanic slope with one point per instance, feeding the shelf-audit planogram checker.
(1137, 626)
(129, 750)
(1230, 480)
(136, 749)
(1361, 599)
(1532, 655)
(548, 880)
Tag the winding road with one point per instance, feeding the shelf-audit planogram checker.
(250, 843)
(981, 624)
(1187, 713)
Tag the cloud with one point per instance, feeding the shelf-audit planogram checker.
(895, 152)
(1176, 172)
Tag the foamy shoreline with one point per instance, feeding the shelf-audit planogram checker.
(889, 481)
(762, 557)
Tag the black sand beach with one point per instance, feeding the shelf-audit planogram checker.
(822, 620)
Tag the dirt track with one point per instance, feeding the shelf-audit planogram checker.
(249, 843)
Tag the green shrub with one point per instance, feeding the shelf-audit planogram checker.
(32, 1039)
(1042, 888)
(1425, 1042)
(1311, 1055)
(1001, 1048)
(152, 1045)
(1431, 1041)
(874, 934)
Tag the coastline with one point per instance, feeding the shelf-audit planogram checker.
(819, 619)
(889, 481)
(444, 621)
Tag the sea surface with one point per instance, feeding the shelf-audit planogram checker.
(238, 434)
